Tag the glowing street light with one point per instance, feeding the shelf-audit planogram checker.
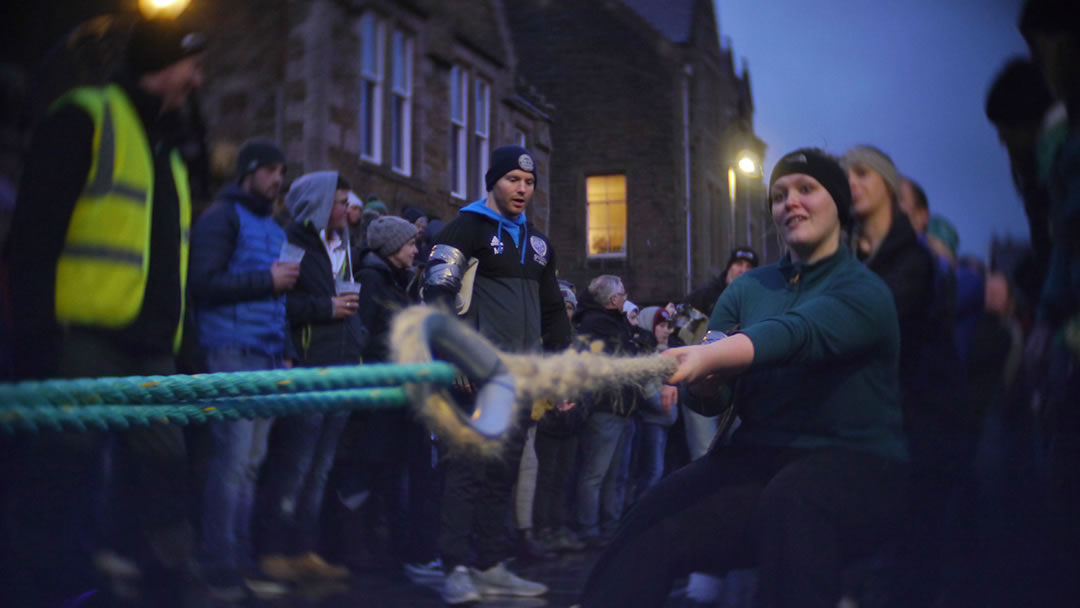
(167, 9)
(747, 165)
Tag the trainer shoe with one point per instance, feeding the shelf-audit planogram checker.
(432, 570)
(498, 580)
(458, 587)
(313, 566)
(280, 568)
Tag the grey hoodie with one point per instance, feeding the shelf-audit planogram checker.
(311, 197)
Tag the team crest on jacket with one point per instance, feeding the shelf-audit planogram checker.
(540, 247)
(496, 245)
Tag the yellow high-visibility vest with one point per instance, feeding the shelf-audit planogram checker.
(103, 267)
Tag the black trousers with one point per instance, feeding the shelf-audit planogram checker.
(798, 515)
(556, 456)
(57, 504)
(476, 505)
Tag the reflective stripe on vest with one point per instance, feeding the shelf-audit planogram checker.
(102, 271)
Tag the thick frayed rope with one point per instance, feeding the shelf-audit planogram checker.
(565, 376)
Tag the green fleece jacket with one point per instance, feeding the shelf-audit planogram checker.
(826, 355)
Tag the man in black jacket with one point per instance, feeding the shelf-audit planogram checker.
(97, 288)
(609, 426)
(515, 303)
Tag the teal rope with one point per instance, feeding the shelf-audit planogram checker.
(168, 390)
(34, 418)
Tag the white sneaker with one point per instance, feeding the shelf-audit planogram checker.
(458, 587)
(498, 580)
(432, 570)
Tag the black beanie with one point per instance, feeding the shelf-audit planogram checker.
(156, 44)
(505, 159)
(1019, 95)
(257, 153)
(825, 169)
(743, 253)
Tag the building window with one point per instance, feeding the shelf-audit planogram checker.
(459, 154)
(372, 42)
(401, 127)
(482, 133)
(606, 199)
(519, 138)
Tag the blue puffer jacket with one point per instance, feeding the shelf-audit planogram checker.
(233, 245)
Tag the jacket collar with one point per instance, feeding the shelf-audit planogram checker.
(901, 235)
(252, 201)
(810, 274)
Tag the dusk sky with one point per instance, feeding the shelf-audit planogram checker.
(909, 76)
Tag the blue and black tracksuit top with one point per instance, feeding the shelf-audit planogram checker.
(516, 301)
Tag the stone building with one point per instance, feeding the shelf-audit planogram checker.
(650, 122)
(405, 98)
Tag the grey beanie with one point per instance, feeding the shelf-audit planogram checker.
(386, 234)
(872, 158)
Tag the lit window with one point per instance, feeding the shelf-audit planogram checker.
(372, 41)
(401, 129)
(606, 197)
(482, 132)
(459, 155)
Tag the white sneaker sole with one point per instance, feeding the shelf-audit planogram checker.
(492, 591)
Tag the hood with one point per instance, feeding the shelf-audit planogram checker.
(517, 228)
(311, 198)
(255, 203)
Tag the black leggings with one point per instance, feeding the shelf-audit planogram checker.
(798, 515)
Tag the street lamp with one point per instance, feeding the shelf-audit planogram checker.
(167, 9)
(749, 167)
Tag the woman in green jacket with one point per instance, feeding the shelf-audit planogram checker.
(816, 473)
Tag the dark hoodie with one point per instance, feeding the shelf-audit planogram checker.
(516, 301)
(931, 375)
(594, 322)
(318, 338)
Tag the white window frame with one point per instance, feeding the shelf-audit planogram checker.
(459, 141)
(401, 93)
(372, 76)
(482, 131)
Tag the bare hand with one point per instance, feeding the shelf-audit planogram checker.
(565, 406)
(692, 364)
(345, 305)
(284, 275)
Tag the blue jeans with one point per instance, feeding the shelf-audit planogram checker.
(604, 439)
(651, 457)
(296, 477)
(700, 431)
(237, 451)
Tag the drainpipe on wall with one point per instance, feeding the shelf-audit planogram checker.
(688, 70)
